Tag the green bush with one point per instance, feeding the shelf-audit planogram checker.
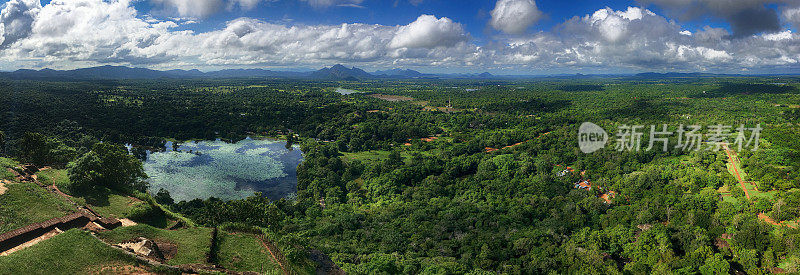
(144, 213)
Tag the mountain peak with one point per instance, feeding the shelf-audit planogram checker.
(340, 72)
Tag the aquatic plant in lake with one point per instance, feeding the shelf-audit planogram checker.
(225, 170)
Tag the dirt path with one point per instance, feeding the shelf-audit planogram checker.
(275, 253)
(735, 163)
(3, 187)
(769, 220)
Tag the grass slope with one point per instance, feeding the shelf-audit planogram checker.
(73, 252)
(243, 252)
(193, 243)
(25, 203)
(59, 176)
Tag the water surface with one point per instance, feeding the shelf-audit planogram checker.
(344, 91)
(203, 169)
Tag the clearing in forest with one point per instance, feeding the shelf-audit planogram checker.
(392, 98)
(749, 187)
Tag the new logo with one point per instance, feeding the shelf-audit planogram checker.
(591, 137)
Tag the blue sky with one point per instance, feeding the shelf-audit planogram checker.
(474, 15)
(500, 36)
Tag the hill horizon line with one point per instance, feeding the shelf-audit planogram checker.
(335, 72)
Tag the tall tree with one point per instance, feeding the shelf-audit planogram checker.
(34, 148)
(107, 165)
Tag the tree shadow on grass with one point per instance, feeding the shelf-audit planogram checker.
(95, 196)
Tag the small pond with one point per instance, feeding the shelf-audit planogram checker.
(203, 169)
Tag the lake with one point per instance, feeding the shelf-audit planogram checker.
(344, 91)
(203, 169)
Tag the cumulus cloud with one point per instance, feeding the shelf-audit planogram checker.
(792, 15)
(640, 39)
(17, 18)
(328, 3)
(89, 30)
(746, 17)
(79, 33)
(191, 8)
(514, 16)
(204, 8)
(245, 4)
(428, 32)
(72, 32)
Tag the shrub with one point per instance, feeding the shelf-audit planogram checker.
(144, 213)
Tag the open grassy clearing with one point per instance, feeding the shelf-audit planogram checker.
(369, 156)
(244, 252)
(57, 176)
(749, 185)
(72, 252)
(26, 203)
(193, 244)
(118, 206)
(106, 202)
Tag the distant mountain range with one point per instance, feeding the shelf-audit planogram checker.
(401, 73)
(334, 73)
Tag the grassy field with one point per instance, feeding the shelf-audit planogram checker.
(57, 176)
(370, 156)
(751, 187)
(25, 203)
(117, 206)
(72, 252)
(243, 252)
(193, 243)
(105, 203)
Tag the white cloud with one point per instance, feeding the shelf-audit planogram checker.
(428, 32)
(778, 36)
(792, 15)
(612, 25)
(17, 17)
(514, 16)
(246, 4)
(74, 33)
(191, 8)
(79, 33)
(639, 39)
(204, 8)
(329, 3)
